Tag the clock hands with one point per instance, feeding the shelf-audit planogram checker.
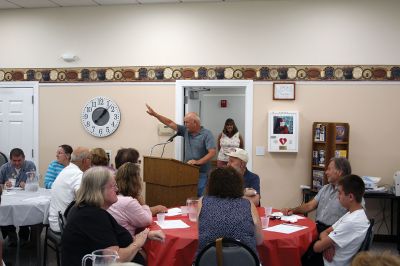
(103, 113)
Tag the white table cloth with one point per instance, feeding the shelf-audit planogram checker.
(19, 207)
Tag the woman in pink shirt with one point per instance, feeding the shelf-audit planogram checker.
(130, 210)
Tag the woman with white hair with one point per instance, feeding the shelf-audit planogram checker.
(91, 227)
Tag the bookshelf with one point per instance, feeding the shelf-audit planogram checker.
(328, 140)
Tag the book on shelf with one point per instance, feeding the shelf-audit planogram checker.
(320, 132)
(340, 133)
(318, 179)
(341, 153)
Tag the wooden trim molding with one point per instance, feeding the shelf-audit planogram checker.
(173, 73)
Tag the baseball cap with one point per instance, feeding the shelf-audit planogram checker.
(240, 154)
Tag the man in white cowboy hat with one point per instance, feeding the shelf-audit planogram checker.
(238, 159)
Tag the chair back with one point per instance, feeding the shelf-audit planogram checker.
(3, 158)
(366, 244)
(61, 222)
(226, 251)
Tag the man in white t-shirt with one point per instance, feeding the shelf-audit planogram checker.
(66, 184)
(340, 242)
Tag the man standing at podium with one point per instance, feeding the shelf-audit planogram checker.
(200, 145)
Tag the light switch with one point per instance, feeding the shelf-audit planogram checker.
(260, 151)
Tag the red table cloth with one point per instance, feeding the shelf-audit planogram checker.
(277, 249)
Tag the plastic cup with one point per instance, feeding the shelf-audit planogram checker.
(268, 211)
(184, 210)
(160, 217)
(264, 222)
(192, 209)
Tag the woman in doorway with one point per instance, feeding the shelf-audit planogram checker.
(228, 140)
(63, 156)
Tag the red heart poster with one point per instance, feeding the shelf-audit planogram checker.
(283, 140)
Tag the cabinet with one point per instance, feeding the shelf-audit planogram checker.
(329, 140)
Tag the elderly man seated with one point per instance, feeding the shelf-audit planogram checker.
(13, 173)
(238, 159)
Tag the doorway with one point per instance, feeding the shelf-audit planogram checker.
(19, 118)
(238, 92)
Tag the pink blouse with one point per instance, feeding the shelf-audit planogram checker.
(130, 214)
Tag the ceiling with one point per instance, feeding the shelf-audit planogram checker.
(13, 4)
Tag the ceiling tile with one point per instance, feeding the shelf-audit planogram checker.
(116, 2)
(75, 2)
(158, 1)
(33, 3)
(5, 4)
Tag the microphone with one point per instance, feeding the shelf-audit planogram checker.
(172, 138)
(163, 143)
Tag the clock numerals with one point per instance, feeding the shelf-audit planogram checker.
(100, 117)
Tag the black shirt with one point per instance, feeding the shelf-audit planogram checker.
(88, 229)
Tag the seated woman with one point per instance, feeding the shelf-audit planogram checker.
(90, 227)
(223, 212)
(99, 158)
(130, 211)
(63, 156)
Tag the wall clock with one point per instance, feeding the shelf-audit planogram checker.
(100, 116)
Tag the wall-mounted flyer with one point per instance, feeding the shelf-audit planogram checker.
(283, 131)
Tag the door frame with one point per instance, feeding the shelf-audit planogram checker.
(180, 102)
(35, 86)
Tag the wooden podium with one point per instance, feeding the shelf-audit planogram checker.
(169, 182)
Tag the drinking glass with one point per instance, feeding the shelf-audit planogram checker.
(192, 209)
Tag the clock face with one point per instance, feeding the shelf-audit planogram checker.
(100, 116)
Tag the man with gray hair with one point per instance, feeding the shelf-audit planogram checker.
(67, 184)
(200, 145)
(329, 209)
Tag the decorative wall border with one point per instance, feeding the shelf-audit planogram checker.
(172, 73)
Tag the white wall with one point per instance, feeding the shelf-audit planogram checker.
(239, 33)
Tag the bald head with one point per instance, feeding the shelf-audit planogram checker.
(81, 157)
(192, 122)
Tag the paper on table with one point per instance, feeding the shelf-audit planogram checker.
(291, 218)
(174, 212)
(285, 228)
(172, 224)
(9, 193)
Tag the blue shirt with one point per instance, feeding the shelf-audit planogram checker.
(7, 171)
(197, 145)
(52, 172)
(251, 180)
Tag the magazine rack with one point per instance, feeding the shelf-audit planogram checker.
(329, 140)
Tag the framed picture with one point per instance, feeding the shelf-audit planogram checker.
(284, 91)
(283, 131)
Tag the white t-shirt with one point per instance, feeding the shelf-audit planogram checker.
(63, 192)
(348, 234)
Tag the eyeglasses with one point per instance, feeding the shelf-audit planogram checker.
(113, 186)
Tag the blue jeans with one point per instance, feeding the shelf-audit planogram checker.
(202, 184)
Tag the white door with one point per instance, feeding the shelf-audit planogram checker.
(17, 119)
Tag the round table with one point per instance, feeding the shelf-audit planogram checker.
(180, 245)
(20, 207)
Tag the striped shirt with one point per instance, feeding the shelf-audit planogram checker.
(52, 172)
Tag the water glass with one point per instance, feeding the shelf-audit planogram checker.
(160, 217)
(32, 182)
(264, 222)
(192, 209)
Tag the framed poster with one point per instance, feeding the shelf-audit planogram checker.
(284, 91)
(283, 131)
